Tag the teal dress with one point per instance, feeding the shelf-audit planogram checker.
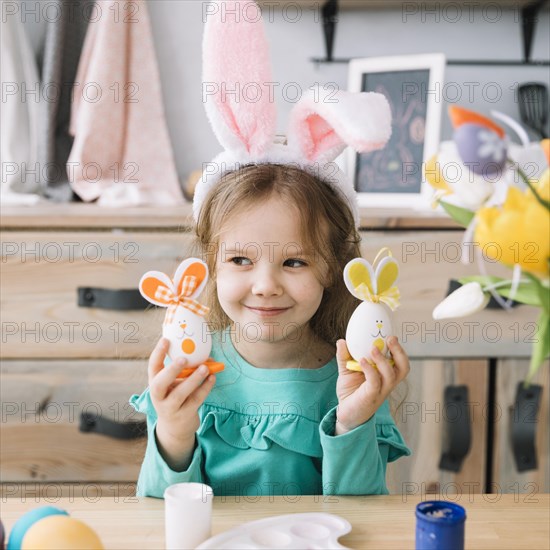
(271, 432)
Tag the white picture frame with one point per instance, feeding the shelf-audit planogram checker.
(416, 126)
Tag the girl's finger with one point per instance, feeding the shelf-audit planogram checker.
(401, 360)
(156, 359)
(178, 397)
(342, 356)
(388, 373)
(373, 379)
(196, 399)
(160, 385)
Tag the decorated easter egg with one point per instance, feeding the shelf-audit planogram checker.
(23, 524)
(61, 533)
(460, 116)
(185, 325)
(368, 327)
(481, 149)
(189, 336)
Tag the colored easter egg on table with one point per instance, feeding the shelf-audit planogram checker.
(481, 150)
(368, 327)
(61, 533)
(26, 521)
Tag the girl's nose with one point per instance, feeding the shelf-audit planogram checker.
(266, 283)
(183, 325)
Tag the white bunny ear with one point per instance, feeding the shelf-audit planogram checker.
(359, 272)
(195, 268)
(236, 68)
(323, 123)
(149, 285)
(387, 271)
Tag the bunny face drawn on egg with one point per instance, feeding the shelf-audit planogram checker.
(371, 322)
(368, 327)
(184, 324)
(187, 337)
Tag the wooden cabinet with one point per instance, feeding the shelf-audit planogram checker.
(60, 358)
(42, 272)
(424, 417)
(63, 356)
(42, 401)
(427, 421)
(506, 478)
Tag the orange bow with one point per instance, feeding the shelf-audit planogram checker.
(188, 286)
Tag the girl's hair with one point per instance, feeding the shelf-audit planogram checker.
(327, 230)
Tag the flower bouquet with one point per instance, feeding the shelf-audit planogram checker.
(500, 192)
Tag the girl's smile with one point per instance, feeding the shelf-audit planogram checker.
(267, 312)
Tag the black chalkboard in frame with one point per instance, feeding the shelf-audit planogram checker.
(393, 176)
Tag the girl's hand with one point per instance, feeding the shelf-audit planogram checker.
(176, 402)
(360, 394)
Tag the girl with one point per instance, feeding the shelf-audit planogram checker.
(285, 417)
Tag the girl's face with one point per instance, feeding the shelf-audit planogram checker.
(265, 281)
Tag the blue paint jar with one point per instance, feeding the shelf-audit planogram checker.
(439, 525)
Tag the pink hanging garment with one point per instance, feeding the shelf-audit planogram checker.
(121, 153)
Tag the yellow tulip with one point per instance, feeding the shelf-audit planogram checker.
(434, 175)
(542, 185)
(516, 233)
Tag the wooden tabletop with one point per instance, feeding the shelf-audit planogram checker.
(508, 521)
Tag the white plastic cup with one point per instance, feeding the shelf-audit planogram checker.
(187, 515)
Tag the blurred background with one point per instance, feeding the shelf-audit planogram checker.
(462, 31)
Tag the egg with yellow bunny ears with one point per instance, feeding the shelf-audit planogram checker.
(371, 322)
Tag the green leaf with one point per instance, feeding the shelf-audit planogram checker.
(543, 293)
(483, 280)
(541, 348)
(526, 293)
(463, 216)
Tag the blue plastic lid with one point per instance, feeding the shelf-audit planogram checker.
(440, 511)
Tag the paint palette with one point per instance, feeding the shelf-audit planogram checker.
(314, 531)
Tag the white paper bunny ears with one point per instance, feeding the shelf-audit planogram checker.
(239, 102)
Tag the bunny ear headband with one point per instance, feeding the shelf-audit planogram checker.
(374, 285)
(189, 281)
(241, 109)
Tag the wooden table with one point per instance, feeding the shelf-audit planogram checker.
(493, 521)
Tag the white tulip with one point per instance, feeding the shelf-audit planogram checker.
(466, 300)
(470, 189)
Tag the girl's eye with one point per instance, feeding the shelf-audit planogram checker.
(298, 263)
(239, 260)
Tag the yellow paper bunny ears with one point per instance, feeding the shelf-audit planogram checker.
(371, 284)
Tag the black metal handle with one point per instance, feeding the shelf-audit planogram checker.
(105, 426)
(458, 433)
(523, 426)
(117, 299)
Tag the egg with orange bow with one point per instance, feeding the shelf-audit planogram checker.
(184, 324)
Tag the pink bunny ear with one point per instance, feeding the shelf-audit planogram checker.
(192, 267)
(323, 123)
(236, 68)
